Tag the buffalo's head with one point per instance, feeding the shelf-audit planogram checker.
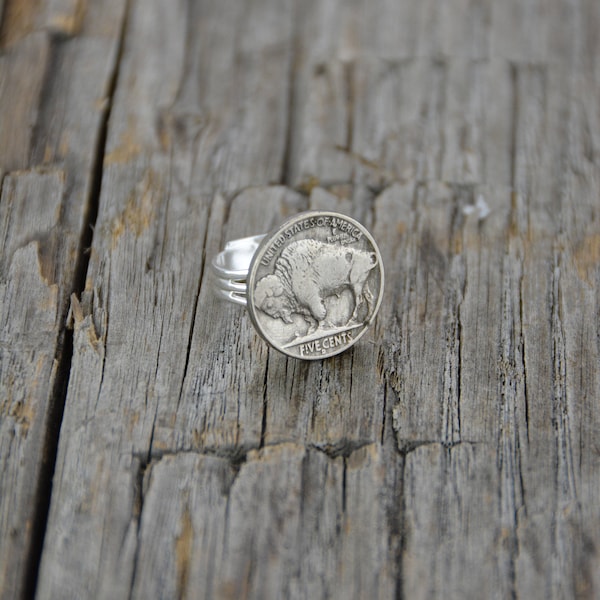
(270, 297)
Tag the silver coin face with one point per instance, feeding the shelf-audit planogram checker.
(315, 285)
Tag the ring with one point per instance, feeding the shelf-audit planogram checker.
(312, 287)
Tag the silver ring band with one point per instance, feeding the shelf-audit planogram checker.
(231, 267)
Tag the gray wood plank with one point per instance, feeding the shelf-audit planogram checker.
(30, 313)
(183, 141)
(216, 538)
(52, 115)
(452, 543)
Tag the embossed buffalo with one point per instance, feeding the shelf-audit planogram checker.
(309, 271)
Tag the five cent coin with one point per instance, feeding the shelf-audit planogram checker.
(315, 285)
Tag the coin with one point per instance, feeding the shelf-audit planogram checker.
(315, 285)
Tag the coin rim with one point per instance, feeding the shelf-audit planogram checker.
(256, 261)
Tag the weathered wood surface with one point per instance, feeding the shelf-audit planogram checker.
(55, 83)
(451, 453)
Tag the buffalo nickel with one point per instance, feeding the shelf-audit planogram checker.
(315, 285)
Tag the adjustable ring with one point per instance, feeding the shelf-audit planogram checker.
(312, 287)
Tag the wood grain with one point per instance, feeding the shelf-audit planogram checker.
(452, 452)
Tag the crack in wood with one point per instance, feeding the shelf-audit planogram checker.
(287, 160)
(263, 424)
(201, 278)
(565, 472)
(398, 529)
(511, 495)
(64, 350)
